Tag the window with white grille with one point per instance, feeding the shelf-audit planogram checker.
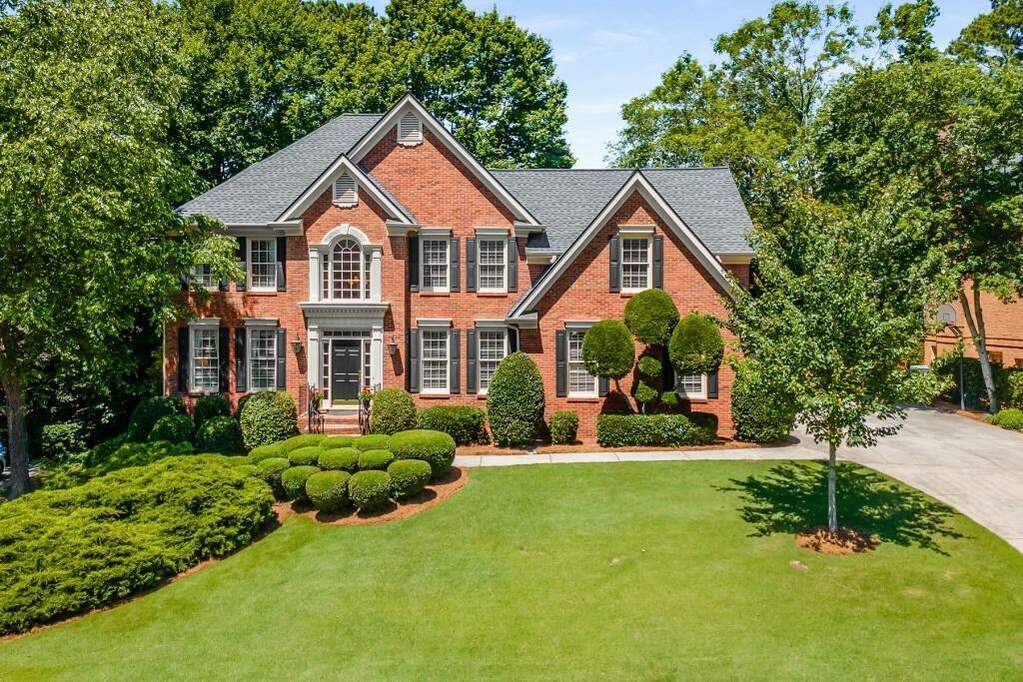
(580, 382)
(263, 359)
(692, 385)
(435, 360)
(492, 265)
(410, 129)
(345, 192)
(263, 264)
(205, 360)
(346, 259)
(434, 264)
(493, 346)
(635, 264)
(203, 276)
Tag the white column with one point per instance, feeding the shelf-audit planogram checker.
(315, 358)
(314, 275)
(375, 275)
(376, 356)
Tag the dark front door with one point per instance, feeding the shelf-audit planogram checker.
(345, 361)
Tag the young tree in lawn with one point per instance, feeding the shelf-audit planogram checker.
(840, 319)
(86, 98)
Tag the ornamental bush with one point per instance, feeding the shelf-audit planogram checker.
(369, 490)
(608, 349)
(293, 482)
(219, 433)
(176, 428)
(261, 452)
(696, 346)
(309, 454)
(433, 447)
(393, 410)
(651, 315)
(209, 406)
(515, 401)
(1015, 390)
(268, 417)
(236, 460)
(337, 442)
(339, 459)
(303, 441)
(246, 469)
(464, 423)
(372, 442)
(147, 412)
(761, 413)
(564, 426)
(619, 430)
(120, 534)
(375, 459)
(63, 442)
(127, 455)
(270, 471)
(408, 477)
(328, 490)
(1009, 418)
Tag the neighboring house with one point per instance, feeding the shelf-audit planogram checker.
(1003, 324)
(380, 253)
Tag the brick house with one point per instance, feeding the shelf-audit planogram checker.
(380, 253)
(1003, 324)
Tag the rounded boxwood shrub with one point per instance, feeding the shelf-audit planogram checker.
(433, 447)
(1009, 418)
(465, 423)
(369, 490)
(261, 452)
(372, 442)
(309, 454)
(393, 410)
(761, 413)
(375, 459)
(650, 365)
(267, 417)
(328, 490)
(147, 412)
(303, 441)
(339, 459)
(293, 481)
(270, 470)
(209, 406)
(651, 315)
(337, 442)
(219, 434)
(408, 477)
(564, 426)
(609, 350)
(696, 346)
(63, 442)
(246, 469)
(175, 428)
(515, 401)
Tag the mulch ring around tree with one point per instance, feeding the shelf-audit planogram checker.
(435, 493)
(842, 541)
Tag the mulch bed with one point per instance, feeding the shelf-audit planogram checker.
(842, 541)
(592, 446)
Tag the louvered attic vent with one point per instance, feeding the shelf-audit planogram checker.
(345, 193)
(410, 130)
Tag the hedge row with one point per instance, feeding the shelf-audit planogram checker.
(620, 430)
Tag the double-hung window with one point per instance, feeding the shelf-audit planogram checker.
(263, 358)
(434, 264)
(263, 264)
(435, 360)
(692, 385)
(492, 264)
(580, 382)
(203, 276)
(635, 263)
(205, 359)
(493, 346)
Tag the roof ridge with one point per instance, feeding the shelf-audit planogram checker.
(643, 169)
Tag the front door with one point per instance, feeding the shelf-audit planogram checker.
(344, 362)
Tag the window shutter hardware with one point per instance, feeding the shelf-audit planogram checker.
(513, 264)
(470, 264)
(615, 271)
(712, 385)
(561, 363)
(412, 348)
(513, 340)
(224, 342)
(603, 386)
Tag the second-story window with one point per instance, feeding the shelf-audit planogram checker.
(635, 264)
(348, 276)
(203, 276)
(435, 264)
(263, 264)
(492, 265)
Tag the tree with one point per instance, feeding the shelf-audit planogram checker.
(651, 316)
(86, 98)
(995, 38)
(696, 346)
(907, 28)
(949, 134)
(839, 319)
(609, 351)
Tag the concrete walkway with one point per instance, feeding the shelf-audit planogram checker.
(974, 467)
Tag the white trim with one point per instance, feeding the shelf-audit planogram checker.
(636, 236)
(579, 324)
(423, 390)
(416, 136)
(735, 258)
(503, 241)
(249, 263)
(480, 390)
(492, 324)
(446, 240)
(540, 256)
(433, 322)
(638, 230)
(636, 182)
(492, 232)
(203, 324)
(260, 322)
(428, 232)
(248, 355)
(291, 228)
(702, 395)
(410, 103)
(344, 230)
(569, 393)
(526, 229)
(345, 203)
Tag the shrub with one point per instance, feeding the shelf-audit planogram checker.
(375, 459)
(328, 490)
(246, 469)
(270, 471)
(176, 428)
(651, 315)
(63, 442)
(433, 447)
(464, 423)
(564, 426)
(337, 442)
(762, 413)
(393, 411)
(608, 349)
(515, 401)
(219, 434)
(237, 460)
(209, 406)
(1008, 382)
(1009, 418)
(1015, 390)
(705, 427)
(261, 452)
(369, 490)
(618, 430)
(303, 441)
(267, 417)
(346, 459)
(696, 346)
(310, 454)
(127, 455)
(650, 366)
(408, 477)
(67, 551)
(293, 481)
(373, 442)
(147, 412)
(101, 452)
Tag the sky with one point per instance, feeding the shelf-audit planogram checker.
(610, 52)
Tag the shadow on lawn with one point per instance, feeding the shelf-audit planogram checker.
(792, 497)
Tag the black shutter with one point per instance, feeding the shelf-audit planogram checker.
(455, 275)
(282, 358)
(412, 352)
(454, 361)
(413, 263)
(222, 357)
(183, 358)
(561, 363)
(222, 285)
(470, 263)
(184, 282)
(282, 255)
(615, 272)
(712, 385)
(667, 371)
(658, 262)
(241, 382)
(470, 361)
(513, 264)
(513, 340)
(603, 386)
(242, 258)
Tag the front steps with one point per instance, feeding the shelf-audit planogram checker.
(336, 422)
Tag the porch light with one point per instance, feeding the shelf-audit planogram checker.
(392, 346)
(296, 345)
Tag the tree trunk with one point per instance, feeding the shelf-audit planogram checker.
(975, 322)
(15, 394)
(832, 507)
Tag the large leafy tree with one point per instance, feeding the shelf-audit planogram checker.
(87, 91)
(995, 38)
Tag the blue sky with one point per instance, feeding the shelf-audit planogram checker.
(609, 52)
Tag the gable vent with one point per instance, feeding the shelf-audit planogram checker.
(410, 130)
(345, 193)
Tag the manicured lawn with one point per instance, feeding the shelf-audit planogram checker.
(637, 571)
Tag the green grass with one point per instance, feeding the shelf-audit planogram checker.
(620, 571)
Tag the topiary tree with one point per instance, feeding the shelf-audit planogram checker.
(175, 428)
(696, 346)
(268, 417)
(609, 351)
(515, 401)
(393, 411)
(651, 316)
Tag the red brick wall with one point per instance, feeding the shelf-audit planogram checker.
(1003, 323)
